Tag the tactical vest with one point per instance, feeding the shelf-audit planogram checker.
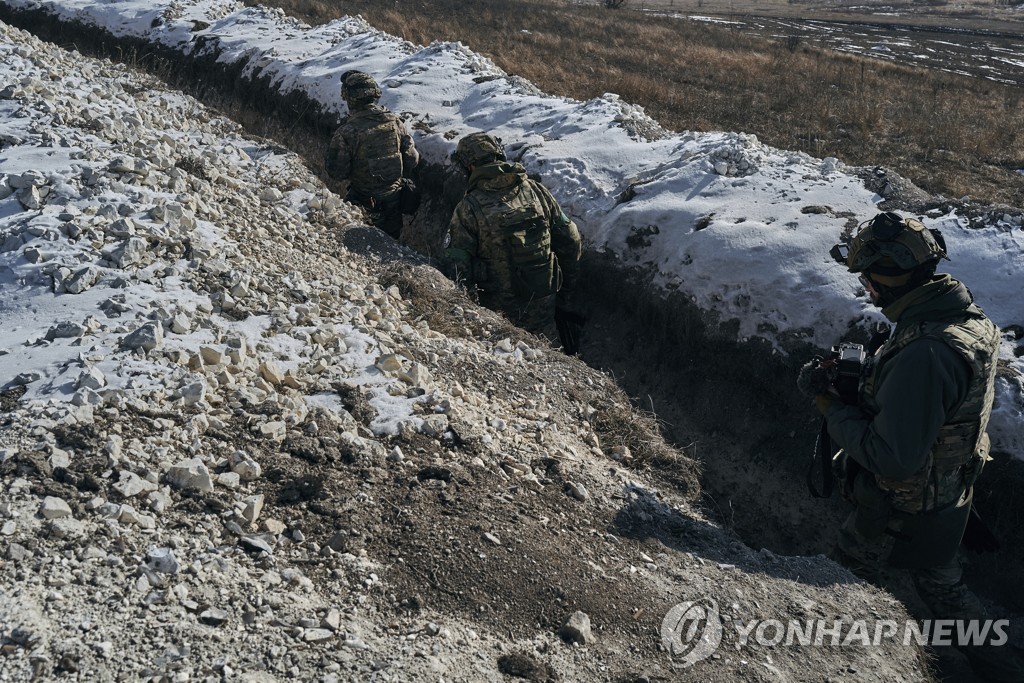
(514, 244)
(962, 445)
(376, 151)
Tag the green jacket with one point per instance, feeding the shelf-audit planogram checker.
(509, 239)
(926, 400)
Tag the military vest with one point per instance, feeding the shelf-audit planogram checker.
(375, 144)
(962, 444)
(515, 254)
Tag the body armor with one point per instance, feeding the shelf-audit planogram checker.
(961, 447)
(515, 254)
(372, 146)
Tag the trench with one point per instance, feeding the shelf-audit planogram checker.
(732, 406)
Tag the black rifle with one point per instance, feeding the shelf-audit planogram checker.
(824, 449)
(846, 381)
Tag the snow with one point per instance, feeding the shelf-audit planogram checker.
(741, 228)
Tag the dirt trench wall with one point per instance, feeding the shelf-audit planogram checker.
(733, 405)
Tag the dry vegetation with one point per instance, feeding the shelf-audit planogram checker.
(950, 134)
(990, 14)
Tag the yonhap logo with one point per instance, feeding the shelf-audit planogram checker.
(692, 630)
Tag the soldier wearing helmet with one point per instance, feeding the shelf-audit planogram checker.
(510, 242)
(916, 441)
(372, 150)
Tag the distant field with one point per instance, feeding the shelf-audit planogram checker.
(915, 110)
(976, 14)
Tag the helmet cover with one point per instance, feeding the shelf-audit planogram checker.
(890, 244)
(477, 148)
(359, 86)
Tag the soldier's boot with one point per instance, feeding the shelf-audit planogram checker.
(995, 662)
(943, 590)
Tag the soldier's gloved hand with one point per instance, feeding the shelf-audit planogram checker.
(813, 379)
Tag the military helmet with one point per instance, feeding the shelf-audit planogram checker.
(477, 148)
(359, 86)
(890, 244)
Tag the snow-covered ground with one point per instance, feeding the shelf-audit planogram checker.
(741, 228)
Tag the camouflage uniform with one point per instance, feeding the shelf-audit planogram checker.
(372, 151)
(919, 432)
(510, 241)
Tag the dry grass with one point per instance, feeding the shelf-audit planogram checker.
(950, 134)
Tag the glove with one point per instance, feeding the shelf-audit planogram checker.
(813, 379)
(823, 403)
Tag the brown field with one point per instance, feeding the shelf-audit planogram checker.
(971, 14)
(951, 134)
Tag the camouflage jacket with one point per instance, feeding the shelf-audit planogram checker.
(927, 398)
(509, 239)
(372, 150)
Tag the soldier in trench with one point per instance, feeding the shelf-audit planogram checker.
(915, 442)
(372, 150)
(512, 244)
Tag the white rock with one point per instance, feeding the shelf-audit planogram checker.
(271, 195)
(229, 480)
(181, 324)
(417, 376)
(190, 475)
(253, 508)
(129, 515)
(148, 337)
(210, 355)
(193, 393)
(162, 560)
(246, 468)
(130, 485)
(317, 635)
(392, 362)
(270, 372)
(83, 279)
(54, 508)
(576, 629)
(274, 429)
(129, 253)
(91, 378)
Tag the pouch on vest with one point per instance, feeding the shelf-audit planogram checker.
(931, 539)
(874, 510)
(529, 250)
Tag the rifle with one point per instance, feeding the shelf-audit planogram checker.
(824, 449)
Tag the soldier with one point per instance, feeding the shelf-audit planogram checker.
(509, 240)
(914, 446)
(372, 151)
